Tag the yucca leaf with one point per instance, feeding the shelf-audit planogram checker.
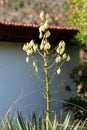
(9, 123)
(76, 127)
(34, 121)
(55, 123)
(20, 121)
(27, 125)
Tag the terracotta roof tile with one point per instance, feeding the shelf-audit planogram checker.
(25, 32)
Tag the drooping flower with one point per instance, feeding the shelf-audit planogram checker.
(34, 63)
(64, 56)
(47, 46)
(62, 44)
(68, 58)
(47, 17)
(61, 48)
(36, 69)
(58, 70)
(35, 47)
(45, 25)
(62, 51)
(27, 59)
(58, 59)
(42, 15)
(40, 35)
(47, 34)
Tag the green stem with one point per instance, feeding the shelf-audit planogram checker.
(47, 91)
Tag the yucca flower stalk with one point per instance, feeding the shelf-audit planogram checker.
(55, 63)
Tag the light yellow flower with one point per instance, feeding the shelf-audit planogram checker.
(68, 58)
(42, 15)
(25, 47)
(64, 56)
(27, 59)
(31, 44)
(45, 25)
(58, 59)
(42, 45)
(62, 44)
(58, 71)
(40, 35)
(62, 51)
(35, 47)
(47, 34)
(47, 46)
(42, 28)
(36, 69)
(29, 51)
(34, 64)
(57, 50)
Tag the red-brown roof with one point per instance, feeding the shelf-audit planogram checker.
(25, 32)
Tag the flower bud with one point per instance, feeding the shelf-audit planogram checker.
(42, 16)
(62, 51)
(34, 63)
(45, 25)
(58, 59)
(35, 47)
(68, 58)
(27, 59)
(57, 50)
(47, 34)
(36, 69)
(47, 17)
(61, 44)
(64, 56)
(58, 71)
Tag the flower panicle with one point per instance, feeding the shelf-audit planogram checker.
(61, 55)
(45, 45)
(30, 47)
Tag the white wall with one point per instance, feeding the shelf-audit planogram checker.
(15, 81)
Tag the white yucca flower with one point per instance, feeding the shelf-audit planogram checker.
(34, 64)
(45, 25)
(64, 56)
(58, 71)
(58, 50)
(68, 58)
(36, 69)
(62, 51)
(25, 47)
(62, 44)
(42, 28)
(30, 44)
(42, 15)
(27, 59)
(58, 59)
(47, 46)
(40, 35)
(47, 34)
(35, 47)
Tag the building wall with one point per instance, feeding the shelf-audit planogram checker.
(19, 91)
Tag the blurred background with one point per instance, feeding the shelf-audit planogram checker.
(26, 11)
